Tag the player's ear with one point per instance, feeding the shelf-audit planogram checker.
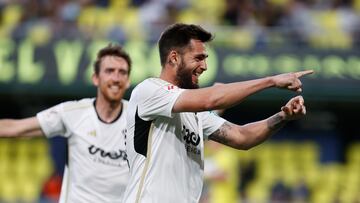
(95, 79)
(173, 58)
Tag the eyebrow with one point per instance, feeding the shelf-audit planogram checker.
(114, 68)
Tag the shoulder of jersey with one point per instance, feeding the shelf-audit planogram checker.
(78, 104)
(125, 103)
(164, 84)
(150, 83)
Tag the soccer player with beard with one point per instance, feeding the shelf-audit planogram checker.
(97, 168)
(169, 118)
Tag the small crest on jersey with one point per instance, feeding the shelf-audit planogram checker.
(170, 88)
(92, 133)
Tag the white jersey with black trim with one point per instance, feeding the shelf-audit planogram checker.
(165, 149)
(97, 169)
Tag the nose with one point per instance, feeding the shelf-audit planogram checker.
(116, 76)
(204, 65)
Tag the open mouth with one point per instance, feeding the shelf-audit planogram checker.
(196, 74)
(114, 88)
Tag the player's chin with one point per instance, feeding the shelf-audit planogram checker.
(114, 97)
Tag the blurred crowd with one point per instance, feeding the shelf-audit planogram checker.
(241, 23)
(280, 172)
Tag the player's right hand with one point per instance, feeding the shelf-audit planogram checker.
(290, 81)
(294, 108)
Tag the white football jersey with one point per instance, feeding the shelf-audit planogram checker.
(165, 149)
(97, 168)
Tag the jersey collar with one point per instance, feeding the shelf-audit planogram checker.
(117, 117)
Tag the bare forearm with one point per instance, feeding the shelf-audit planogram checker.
(219, 96)
(7, 128)
(228, 95)
(252, 134)
(28, 127)
(233, 93)
(249, 135)
(276, 122)
(258, 132)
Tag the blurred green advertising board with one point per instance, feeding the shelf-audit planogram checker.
(65, 67)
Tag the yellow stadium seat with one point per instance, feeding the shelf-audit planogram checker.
(311, 175)
(8, 190)
(22, 168)
(120, 5)
(289, 152)
(87, 17)
(40, 34)
(280, 3)
(210, 11)
(11, 16)
(258, 192)
(23, 146)
(105, 20)
(5, 144)
(43, 168)
(356, 5)
(322, 197)
(40, 147)
(330, 33)
(290, 175)
(308, 152)
(353, 153)
(29, 189)
(132, 26)
(349, 195)
(20, 158)
(189, 15)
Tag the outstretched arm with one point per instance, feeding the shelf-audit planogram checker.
(227, 95)
(252, 134)
(27, 127)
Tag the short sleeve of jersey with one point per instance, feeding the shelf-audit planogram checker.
(157, 99)
(51, 121)
(211, 122)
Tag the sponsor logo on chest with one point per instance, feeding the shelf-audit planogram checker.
(191, 140)
(113, 158)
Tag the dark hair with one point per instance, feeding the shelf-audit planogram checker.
(111, 50)
(178, 36)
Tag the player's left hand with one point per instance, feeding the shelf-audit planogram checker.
(294, 108)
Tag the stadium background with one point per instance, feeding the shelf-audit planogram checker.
(46, 49)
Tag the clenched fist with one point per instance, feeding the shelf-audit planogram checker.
(294, 108)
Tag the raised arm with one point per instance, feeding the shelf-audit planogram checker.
(227, 95)
(249, 135)
(27, 127)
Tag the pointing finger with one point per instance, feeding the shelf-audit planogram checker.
(304, 72)
(301, 100)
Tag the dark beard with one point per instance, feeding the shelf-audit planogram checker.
(184, 78)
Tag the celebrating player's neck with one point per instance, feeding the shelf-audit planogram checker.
(108, 111)
(167, 75)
